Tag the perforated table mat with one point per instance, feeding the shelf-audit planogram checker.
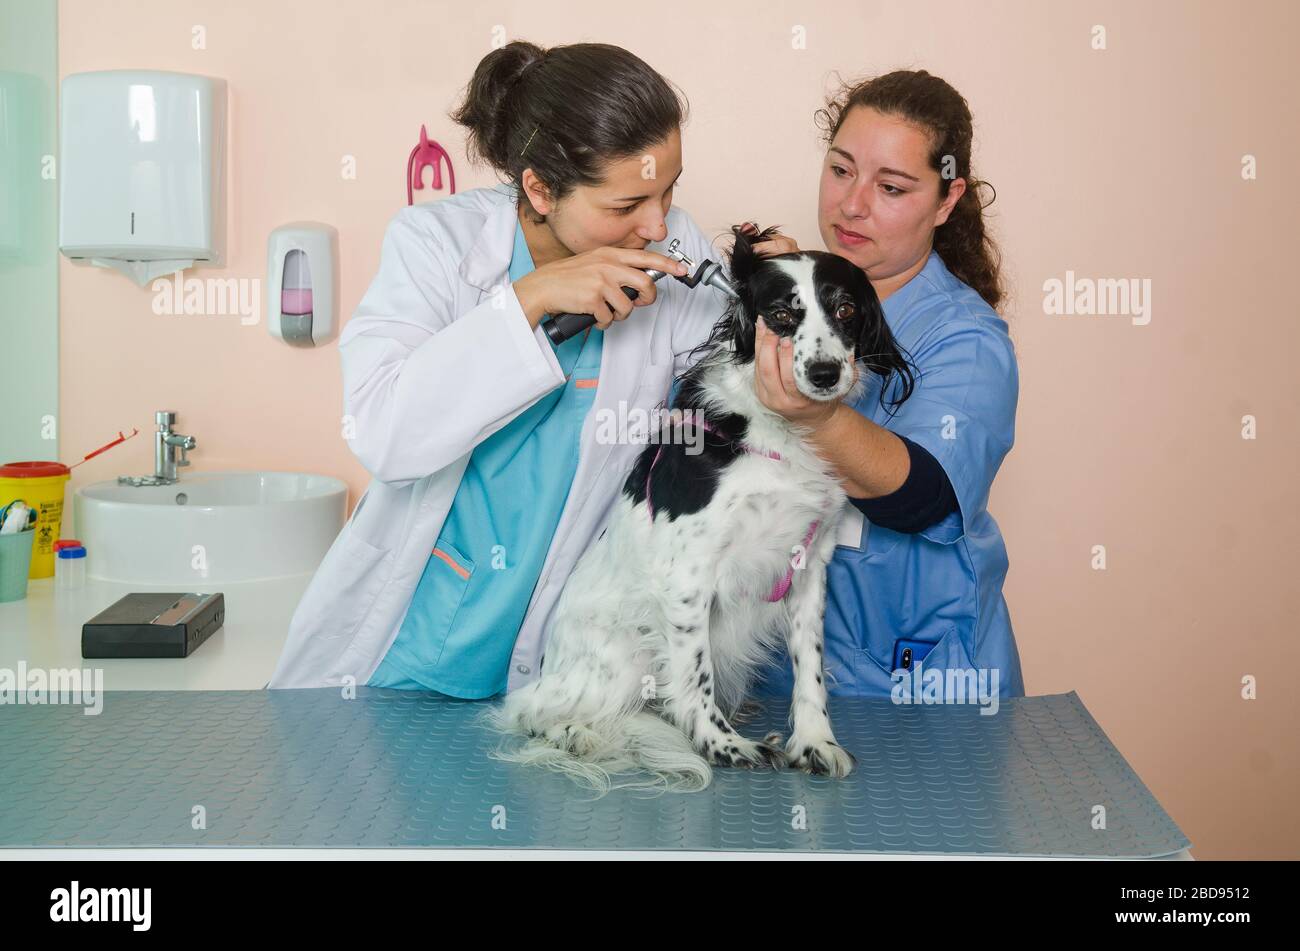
(391, 768)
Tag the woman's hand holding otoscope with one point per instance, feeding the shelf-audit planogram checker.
(593, 283)
(601, 286)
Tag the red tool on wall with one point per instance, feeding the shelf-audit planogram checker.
(428, 154)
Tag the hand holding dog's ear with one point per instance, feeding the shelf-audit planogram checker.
(773, 245)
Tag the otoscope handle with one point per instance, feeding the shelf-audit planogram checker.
(563, 326)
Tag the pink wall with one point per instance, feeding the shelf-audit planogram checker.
(1117, 163)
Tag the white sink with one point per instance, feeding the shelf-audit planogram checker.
(209, 528)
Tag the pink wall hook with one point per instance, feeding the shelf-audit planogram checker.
(427, 155)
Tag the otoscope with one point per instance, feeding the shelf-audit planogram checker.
(563, 326)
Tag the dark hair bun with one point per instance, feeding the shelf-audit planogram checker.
(484, 111)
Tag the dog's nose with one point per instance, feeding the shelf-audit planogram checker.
(824, 375)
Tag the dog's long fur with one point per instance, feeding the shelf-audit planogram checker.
(663, 624)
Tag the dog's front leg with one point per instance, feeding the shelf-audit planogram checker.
(689, 699)
(812, 744)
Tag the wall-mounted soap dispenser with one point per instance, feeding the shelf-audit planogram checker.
(141, 170)
(302, 283)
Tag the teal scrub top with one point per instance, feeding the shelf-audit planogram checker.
(460, 629)
(939, 589)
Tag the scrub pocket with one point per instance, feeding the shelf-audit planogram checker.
(436, 601)
(583, 380)
(586, 369)
(944, 653)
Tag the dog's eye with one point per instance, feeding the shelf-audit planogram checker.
(780, 313)
(846, 311)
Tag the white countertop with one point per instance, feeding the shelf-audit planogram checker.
(44, 630)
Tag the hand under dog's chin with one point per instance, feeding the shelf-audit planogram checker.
(818, 396)
(839, 391)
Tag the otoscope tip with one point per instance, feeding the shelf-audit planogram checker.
(723, 283)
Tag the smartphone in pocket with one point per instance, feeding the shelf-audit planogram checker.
(908, 652)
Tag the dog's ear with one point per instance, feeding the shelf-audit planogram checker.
(740, 315)
(743, 259)
(879, 352)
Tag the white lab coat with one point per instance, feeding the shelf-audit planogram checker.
(437, 357)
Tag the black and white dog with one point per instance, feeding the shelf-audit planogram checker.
(669, 615)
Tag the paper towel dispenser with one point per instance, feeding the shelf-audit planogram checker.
(141, 170)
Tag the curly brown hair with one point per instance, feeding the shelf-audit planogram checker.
(930, 103)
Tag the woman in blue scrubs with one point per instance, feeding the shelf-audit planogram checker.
(923, 592)
(533, 116)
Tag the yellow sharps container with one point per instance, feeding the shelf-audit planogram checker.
(41, 485)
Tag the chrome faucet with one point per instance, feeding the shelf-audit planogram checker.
(165, 445)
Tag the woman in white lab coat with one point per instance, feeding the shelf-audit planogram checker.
(496, 455)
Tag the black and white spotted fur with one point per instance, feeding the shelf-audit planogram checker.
(663, 625)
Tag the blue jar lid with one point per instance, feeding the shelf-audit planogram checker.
(75, 552)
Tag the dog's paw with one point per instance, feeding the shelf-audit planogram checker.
(747, 754)
(821, 758)
(573, 738)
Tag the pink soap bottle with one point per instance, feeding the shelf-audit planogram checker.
(295, 292)
(302, 275)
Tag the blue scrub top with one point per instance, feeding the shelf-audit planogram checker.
(943, 585)
(460, 628)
